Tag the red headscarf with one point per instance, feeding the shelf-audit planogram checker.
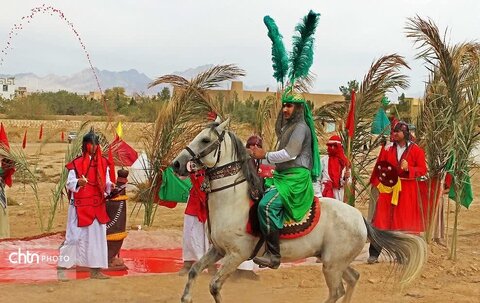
(96, 156)
(336, 160)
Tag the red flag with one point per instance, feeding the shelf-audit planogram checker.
(7, 165)
(168, 204)
(111, 165)
(62, 136)
(40, 135)
(350, 124)
(3, 137)
(211, 116)
(124, 154)
(24, 142)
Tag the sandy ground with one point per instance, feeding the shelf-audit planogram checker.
(442, 280)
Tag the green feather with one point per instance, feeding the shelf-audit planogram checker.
(301, 57)
(279, 54)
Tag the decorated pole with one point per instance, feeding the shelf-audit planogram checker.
(116, 229)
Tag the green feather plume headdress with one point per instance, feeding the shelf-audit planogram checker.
(294, 67)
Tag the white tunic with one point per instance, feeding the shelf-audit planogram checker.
(83, 246)
(196, 244)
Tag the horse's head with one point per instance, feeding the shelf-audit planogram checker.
(204, 150)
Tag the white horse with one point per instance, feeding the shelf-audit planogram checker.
(337, 239)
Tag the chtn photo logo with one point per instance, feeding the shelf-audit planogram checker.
(27, 257)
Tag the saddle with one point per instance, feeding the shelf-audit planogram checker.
(290, 230)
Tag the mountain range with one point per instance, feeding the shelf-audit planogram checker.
(84, 81)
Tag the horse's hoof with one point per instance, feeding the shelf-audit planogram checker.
(186, 299)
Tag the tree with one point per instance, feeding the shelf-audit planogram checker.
(346, 91)
(165, 94)
(116, 96)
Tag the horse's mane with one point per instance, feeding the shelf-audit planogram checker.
(239, 152)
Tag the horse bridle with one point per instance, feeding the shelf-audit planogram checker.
(214, 173)
(207, 150)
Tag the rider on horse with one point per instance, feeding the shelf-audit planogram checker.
(289, 193)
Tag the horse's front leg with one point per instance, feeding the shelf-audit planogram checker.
(209, 258)
(229, 265)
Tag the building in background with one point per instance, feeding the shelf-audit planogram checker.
(7, 87)
(95, 95)
(21, 92)
(237, 92)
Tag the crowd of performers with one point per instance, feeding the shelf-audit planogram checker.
(396, 181)
(294, 174)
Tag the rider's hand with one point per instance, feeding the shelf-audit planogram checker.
(82, 181)
(404, 165)
(257, 152)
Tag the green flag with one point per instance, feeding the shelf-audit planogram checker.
(174, 189)
(385, 101)
(466, 187)
(381, 124)
(467, 193)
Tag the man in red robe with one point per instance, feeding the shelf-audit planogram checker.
(398, 205)
(88, 183)
(335, 171)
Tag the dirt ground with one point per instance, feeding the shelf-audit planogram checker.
(442, 280)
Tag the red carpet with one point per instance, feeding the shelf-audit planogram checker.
(37, 265)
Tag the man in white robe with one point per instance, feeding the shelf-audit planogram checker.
(85, 244)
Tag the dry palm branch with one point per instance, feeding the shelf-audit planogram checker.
(383, 76)
(453, 88)
(178, 121)
(24, 171)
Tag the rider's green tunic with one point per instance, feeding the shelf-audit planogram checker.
(288, 197)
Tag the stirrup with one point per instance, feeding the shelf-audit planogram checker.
(267, 261)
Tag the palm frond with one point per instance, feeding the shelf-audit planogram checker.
(330, 111)
(435, 52)
(179, 121)
(453, 90)
(26, 171)
(265, 117)
(304, 84)
(195, 89)
(383, 76)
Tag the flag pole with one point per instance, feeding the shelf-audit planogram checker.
(348, 189)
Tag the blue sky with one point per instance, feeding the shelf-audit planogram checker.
(160, 37)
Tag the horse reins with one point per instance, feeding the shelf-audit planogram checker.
(215, 173)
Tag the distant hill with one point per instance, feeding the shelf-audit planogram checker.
(84, 81)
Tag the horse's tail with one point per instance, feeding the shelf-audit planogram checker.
(408, 251)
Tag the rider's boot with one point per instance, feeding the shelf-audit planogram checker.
(272, 257)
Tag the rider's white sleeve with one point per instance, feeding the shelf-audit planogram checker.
(279, 156)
